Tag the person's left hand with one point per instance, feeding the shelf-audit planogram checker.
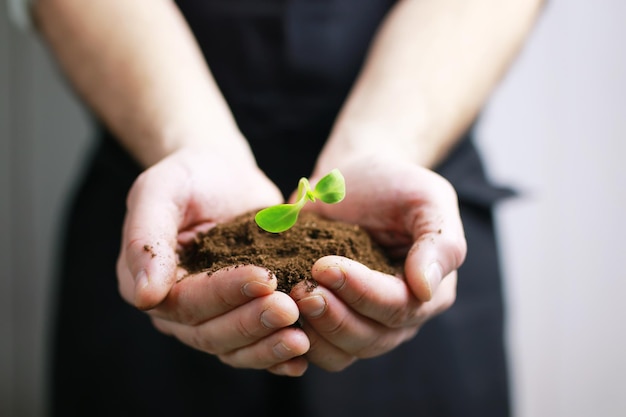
(235, 314)
(358, 313)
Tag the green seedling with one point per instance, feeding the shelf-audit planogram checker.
(330, 189)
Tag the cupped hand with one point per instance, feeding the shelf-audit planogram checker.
(356, 312)
(234, 313)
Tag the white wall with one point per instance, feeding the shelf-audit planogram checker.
(557, 129)
(43, 136)
(6, 322)
(554, 129)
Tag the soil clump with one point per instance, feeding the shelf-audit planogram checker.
(290, 254)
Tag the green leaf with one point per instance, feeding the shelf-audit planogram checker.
(331, 188)
(278, 218)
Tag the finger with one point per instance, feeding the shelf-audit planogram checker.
(200, 297)
(344, 328)
(240, 327)
(324, 354)
(154, 212)
(442, 300)
(293, 367)
(383, 298)
(439, 246)
(272, 351)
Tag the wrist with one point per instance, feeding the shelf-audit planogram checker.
(370, 142)
(226, 141)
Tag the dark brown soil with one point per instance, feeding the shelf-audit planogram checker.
(289, 255)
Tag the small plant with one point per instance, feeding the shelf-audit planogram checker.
(330, 189)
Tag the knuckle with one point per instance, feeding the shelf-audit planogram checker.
(399, 317)
(200, 341)
(337, 326)
(359, 298)
(377, 347)
(387, 342)
(315, 343)
(168, 311)
(244, 330)
(405, 315)
(223, 301)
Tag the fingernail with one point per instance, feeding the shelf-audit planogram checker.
(282, 351)
(313, 306)
(141, 280)
(255, 289)
(271, 320)
(337, 277)
(434, 275)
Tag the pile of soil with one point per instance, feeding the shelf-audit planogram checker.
(290, 254)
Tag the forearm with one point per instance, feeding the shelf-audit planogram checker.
(429, 71)
(138, 67)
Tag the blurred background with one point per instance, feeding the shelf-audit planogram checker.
(554, 129)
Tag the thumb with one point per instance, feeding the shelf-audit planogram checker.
(439, 246)
(147, 263)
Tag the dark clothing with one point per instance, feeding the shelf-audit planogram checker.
(285, 68)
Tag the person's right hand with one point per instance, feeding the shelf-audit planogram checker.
(357, 313)
(235, 313)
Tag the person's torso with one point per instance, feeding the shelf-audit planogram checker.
(285, 68)
(284, 63)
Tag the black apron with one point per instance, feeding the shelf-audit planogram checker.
(285, 68)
